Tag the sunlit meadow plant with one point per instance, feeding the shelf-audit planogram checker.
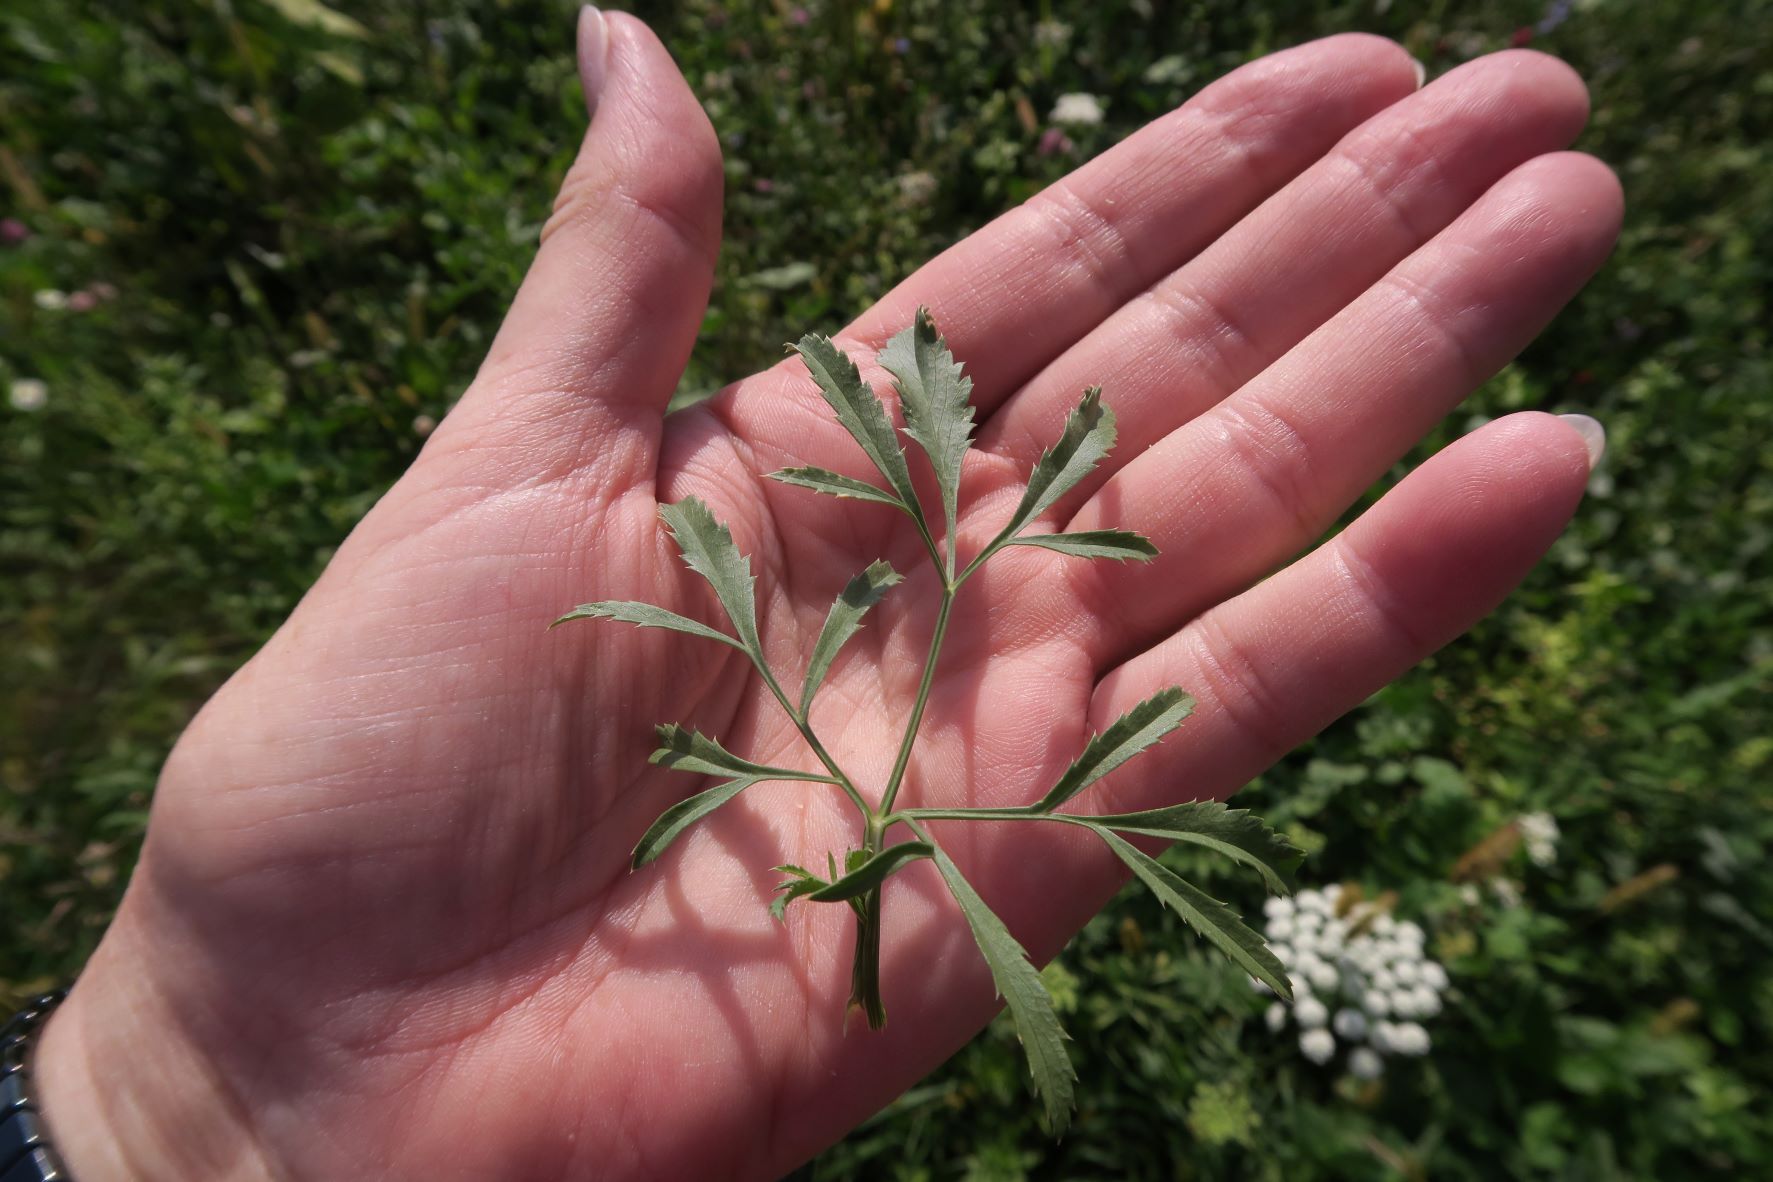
(934, 396)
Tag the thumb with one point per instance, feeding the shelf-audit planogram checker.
(601, 329)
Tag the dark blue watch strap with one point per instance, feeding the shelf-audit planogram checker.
(25, 1153)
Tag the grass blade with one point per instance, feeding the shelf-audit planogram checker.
(1131, 733)
(1205, 914)
(844, 620)
(1019, 983)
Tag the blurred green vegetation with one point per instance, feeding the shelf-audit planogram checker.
(252, 245)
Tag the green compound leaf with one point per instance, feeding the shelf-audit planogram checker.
(691, 751)
(1238, 834)
(1118, 544)
(837, 485)
(708, 548)
(1088, 436)
(1211, 918)
(645, 615)
(872, 872)
(934, 395)
(1131, 733)
(845, 618)
(680, 816)
(859, 410)
(1019, 983)
(800, 881)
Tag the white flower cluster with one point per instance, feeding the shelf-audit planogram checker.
(1357, 974)
(1540, 833)
(1077, 110)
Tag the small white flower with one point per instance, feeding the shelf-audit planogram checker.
(1364, 1063)
(1381, 1036)
(1317, 1045)
(1506, 892)
(1376, 1002)
(1278, 908)
(1384, 926)
(1383, 979)
(1314, 901)
(1077, 110)
(1410, 1038)
(1407, 972)
(1276, 1017)
(1323, 976)
(1409, 934)
(1350, 1024)
(1333, 893)
(1434, 975)
(1306, 965)
(1283, 952)
(50, 300)
(1310, 1013)
(1428, 1002)
(1540, 832)
(1469, 895)
(28, 394)
(1402, 1002)
(1336, 932)
(1280, 929)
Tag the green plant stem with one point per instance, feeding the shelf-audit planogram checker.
(923, 698)
(812, 740)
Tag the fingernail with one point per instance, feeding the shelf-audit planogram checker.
(1421, 72)
(1593, 434)
(593, 50)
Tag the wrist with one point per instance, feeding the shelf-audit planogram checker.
(125, 1096)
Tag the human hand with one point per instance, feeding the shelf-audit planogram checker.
(383, 923)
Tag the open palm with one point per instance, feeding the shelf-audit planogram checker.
(384, 924)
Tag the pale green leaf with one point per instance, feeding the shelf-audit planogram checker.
(708, 548)
(1237, 833)
(860, 411)
(934, 395)
(645, 615)
(800, 881)
(1118, 544)
(1130, 734)
(836, 485)
(1019, 983)
(845, 618)
(1088, 436)
(312, 14)
(680, 816)
(691, 751)
(1205, 914)
(872, 872)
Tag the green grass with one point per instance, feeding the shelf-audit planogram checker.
(311, 234)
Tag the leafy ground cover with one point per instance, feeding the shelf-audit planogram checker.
(250, 251)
